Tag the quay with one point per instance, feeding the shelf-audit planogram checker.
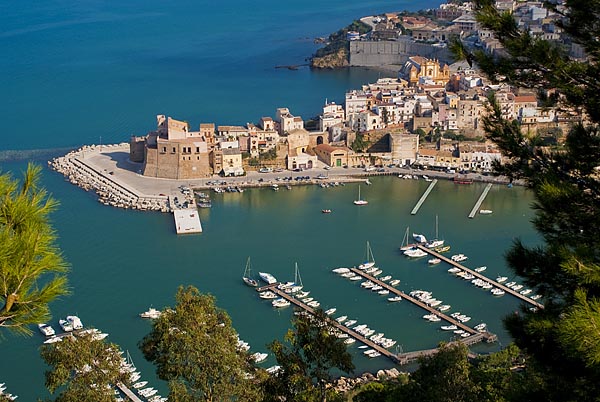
(482, 277)
(423, 197)
(484, 194)
(410, 357)
(489, 337)
(133, 397)
(384, 352)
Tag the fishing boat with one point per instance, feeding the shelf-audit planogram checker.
(360, 201)
(246, 277)
(370, 260)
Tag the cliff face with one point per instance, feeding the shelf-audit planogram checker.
(333, 60)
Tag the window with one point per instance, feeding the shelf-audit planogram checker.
(197, 150)
(173, 151)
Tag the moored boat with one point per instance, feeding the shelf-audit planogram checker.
(65, 325)
(248, 280)
(434, 261)
(46, 329)
(267, 277)
(151, 313)
(75, 322)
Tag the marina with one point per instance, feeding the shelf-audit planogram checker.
(478, 275)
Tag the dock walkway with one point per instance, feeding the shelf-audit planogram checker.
(128, 393)
(423, 197)
(485, 335)
(484, 194)
(384, 352)
(478, 275)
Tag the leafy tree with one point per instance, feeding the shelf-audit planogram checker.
(194, 347)
(359, 144)
(85, 367)
(563, 339)
(309, 352)
(31, 265)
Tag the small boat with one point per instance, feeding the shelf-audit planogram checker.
(480, 327)
(434, 261)
(444, 307)
(385, 278)
(449, 327)
(313, 303)
(384, 292)
(394, 299)
(246, 277)
(394, 282)
(75, 322)
(459, 257)
(65, 325)
(140, 384)
(480, 269)
(267, 277)
(497, 292)
(485, 211)
(341, 270)
(511, 284)
(415, 253)
(360, 201)
(350, 323)
(53, 339)
(281, 302)
(501, 279)
(419, 238)
(326, 211)
(341, 319)
(46, 329)
(151, 313)
(349, 341)
(267, 295)
(369, 259)
(442, 249)
(259, 357)
(330, 311)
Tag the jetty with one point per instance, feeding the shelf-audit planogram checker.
(484, 194)
(423, 197)
(127, 392)
(480, 276)
(489, 337)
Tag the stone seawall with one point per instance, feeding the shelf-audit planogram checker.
(381, 53)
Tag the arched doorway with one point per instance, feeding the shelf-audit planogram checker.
(309, 164)
(319, 140)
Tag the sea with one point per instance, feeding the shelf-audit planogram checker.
(92, 72)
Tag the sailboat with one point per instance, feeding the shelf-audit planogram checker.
(246, 278)
(436, 242)
(370, 260)
(405, 246)
(359, 201)
(297, 286)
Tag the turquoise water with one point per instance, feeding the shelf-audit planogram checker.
(75, 72)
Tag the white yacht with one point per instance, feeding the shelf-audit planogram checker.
(65, 325)
(281, 302)
(75, 322)
(53, 339)
(394, 282)
(459, 257)
(419, 238)
(415, 253)
(259, 357)
(434, 261)
(501, 279)
(480, 269)
(267, 277)
(140, 384)
(330, 311)
(444, 307)
(151, 313)
(341, 319)
(497, 292)
(449, 327)
(46, 329)
(267, 295)
(341, 270)
(385, 278)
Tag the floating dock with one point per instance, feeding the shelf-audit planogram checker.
(423, 197)
(483, 277)
(484, 194)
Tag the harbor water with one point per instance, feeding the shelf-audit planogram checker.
(96, 73)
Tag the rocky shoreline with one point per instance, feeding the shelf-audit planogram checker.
(347, 384)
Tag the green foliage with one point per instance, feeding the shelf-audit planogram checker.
(83, 368)
(194, 347)
(359, 144)
(269, 155)
(31, 266)
(337, 40)
(307, 355)
(562, 339)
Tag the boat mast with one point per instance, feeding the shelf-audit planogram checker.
(297, 278)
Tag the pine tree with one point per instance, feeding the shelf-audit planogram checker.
(31, 266)
(564, 337)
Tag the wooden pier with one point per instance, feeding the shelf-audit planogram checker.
(483, 277)
(133, 397)
(489, 337)
(423, 197)
(484, 194)
(350, 332)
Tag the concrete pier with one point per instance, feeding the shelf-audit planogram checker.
(480, 200)
(423, 197)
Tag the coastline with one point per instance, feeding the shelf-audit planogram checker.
(107, 170)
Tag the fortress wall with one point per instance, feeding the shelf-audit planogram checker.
(380, 53)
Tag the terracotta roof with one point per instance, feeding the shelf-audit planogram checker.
(329, 148)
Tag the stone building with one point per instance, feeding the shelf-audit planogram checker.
(173, 151)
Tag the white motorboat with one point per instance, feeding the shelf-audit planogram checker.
(459, 257)
(497, 292)
(449, 327)
(53, 339)
(454, 270)
(140, 384)
(385, 278)
(536, 297)
(355, 278)
(511, 284)
(65, 325)
(517, 287)
(330, 311)
(480, 269)
(350, 323)
(394, 282)
(434, 261)
(341, 270)
(485, 211)
(445, 307)
(341, 319)
(151, 313)
(383, 292)
(259, 357)
(360, 201)
(419, 238)
(267, 277)
(46, 329)
(75, 322)
(281, 302)
(313, 304)
(349, 341)
(267, 295)
(480, 327)
(415, 253)
(501, 279)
